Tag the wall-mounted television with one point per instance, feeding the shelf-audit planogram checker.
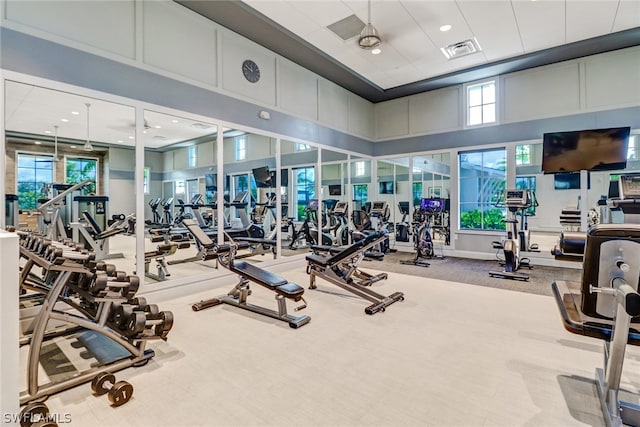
(335, 190)
(594, 149)
(284, 178)
(385, 187)
(569, 181)
(262, 177)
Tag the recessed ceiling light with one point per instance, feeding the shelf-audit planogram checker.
(120, 141)
(37, 142)
(158, 127)
(75, 113)
(47, 131)
(376, 51)
(174, 121)
(445, 28)
(64, 120)
(130, 137)
(73, 146)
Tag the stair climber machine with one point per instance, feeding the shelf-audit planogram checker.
(517, 203)
(422, 242)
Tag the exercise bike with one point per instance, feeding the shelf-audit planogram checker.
(422, 241)
(517, 241)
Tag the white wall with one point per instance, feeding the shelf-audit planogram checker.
(599, 82)
(169, 39)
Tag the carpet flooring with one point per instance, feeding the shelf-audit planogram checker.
(475, 272)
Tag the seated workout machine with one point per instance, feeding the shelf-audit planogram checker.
(606, 303)
(517, 241)
(225, 255)
(341, 269)
(375, 221)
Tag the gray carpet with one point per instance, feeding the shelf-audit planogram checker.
(475, 272)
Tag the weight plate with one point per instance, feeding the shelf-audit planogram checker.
(98, 384)
(120, 393)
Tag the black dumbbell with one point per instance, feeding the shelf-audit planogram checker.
(36, 414)
(122, 312)
(159, 322)
(119, 392)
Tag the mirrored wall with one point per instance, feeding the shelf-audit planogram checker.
(70, 164)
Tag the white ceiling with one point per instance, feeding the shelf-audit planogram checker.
(35, 111)
(412, 38)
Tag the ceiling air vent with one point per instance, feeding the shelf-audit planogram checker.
(462, 48)
(159, 138)
(201, 126)
(347, 28)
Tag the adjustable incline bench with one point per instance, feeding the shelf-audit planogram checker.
(250, 273)
(351, 273)
(340, 267)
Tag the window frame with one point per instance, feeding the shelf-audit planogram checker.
(241, 148)
(192, 156)
(467, 107)
(79, 156)
(17, 170)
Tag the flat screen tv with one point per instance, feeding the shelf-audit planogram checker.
(385, 187)
(262, 177)
(431, 205)
(569, 181)
(595, 149)
(335, 190)
(284, 178)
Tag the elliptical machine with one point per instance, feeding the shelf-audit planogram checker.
(517, 241)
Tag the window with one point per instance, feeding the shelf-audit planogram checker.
(305, 191)
(180, 187)
(241, 148)
(82, 169)
(417, 193)
(528, 183)
(360, 193)
(523, 154)
(359, 168)
(302, 147)
(481, 103)
(191, 156)
(34, 171)
(482, 180)
(146, 177)
(632, 150)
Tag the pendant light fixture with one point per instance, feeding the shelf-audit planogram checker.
(87, 145)
(369, 38)
(56, 158)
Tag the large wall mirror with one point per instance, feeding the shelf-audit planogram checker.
(179, 183)
(299, 162)
(70, 169)
(335, 209)
(432, 181)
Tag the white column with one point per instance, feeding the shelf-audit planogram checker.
(9, 356)
(220, 181)
(278, 200)
(139, 186)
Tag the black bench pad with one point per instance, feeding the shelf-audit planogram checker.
(290, 290)
(258, 275)
(255, 240)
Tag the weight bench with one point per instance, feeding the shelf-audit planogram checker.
(340, 269)
(606, 305)
(162, 250)
(250, 273)
(257, 246)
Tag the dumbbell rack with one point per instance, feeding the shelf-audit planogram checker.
(91, 289)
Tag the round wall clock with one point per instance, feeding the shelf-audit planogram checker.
(251, 71)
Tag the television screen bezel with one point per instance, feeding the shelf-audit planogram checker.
(386, 187)
(333, 187)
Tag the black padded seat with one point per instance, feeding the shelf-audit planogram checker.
(290, 290)
(258, 275)
(256, 240)
(344, 254)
